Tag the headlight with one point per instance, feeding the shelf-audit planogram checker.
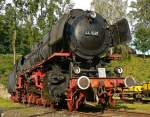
(83, 82)
(118, 70)
(76, 70)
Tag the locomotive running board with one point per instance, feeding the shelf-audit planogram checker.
(57, 54)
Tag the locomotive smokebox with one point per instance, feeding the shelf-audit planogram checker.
(87, 34)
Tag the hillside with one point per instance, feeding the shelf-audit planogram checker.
(136, 66)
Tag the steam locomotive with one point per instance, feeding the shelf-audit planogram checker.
(67, 65)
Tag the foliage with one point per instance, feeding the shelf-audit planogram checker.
(23, 23)
(111, 10)
(6, 64)
(123, 50)
(5, 43)
(142, 39)
(2, 2)
(140, 12)
(140, 16)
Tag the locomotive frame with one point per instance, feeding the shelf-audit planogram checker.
(107, 85)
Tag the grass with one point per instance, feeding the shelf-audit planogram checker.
(30, 109)
(136, 107)
(19, 109)
(120, 106)
(7, 104)
(142, 107)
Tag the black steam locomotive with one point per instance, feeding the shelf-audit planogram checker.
(67, 65)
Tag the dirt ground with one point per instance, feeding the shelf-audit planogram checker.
(11, 109)
(36, 111)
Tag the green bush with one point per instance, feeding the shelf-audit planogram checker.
(6, 65)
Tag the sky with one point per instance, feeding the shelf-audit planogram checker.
(82, 4)
(85, 4)
(79, 4)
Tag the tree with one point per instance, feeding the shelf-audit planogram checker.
(111, 10)
(140, 12)
(140, 16)
(38, 16)
(64, 6)
(25, 22)
(10, 17)
(2, 2)
(5, 43)
(50, 12)
(142, 39)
